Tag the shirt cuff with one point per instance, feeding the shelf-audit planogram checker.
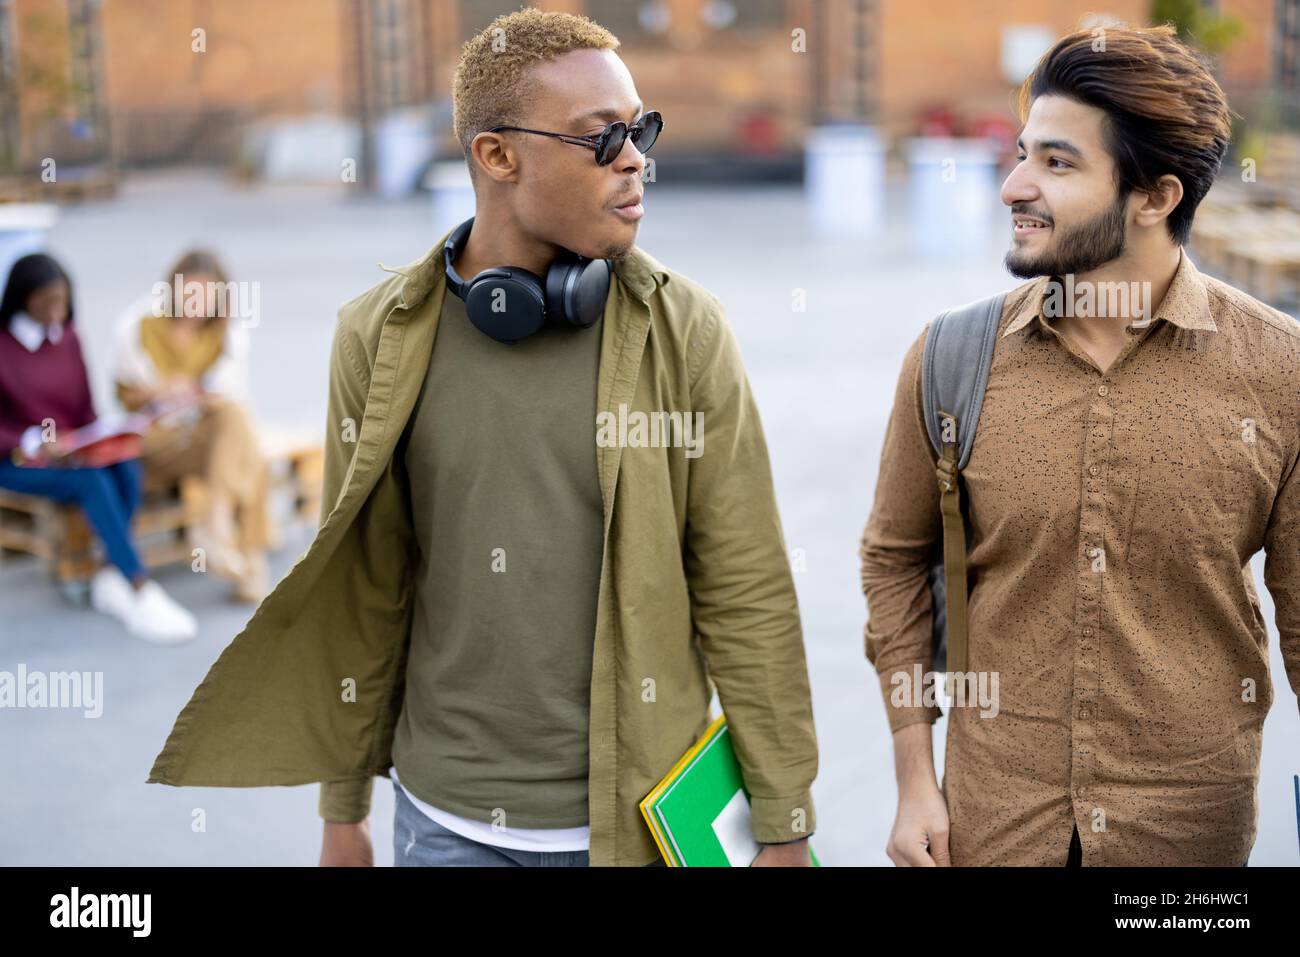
(900, 706)
(346, 801)
(780, 820)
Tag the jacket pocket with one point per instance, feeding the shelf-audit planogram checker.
(1185, 521)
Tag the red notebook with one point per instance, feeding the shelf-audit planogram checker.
(106, 441)
(115, 438)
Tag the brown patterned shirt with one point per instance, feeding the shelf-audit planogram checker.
(1113, 515)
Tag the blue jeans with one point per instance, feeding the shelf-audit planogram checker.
(108, 496)
(419, 841)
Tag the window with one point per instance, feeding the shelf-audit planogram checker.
(633, 20)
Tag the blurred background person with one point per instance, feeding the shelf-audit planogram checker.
(44, 385)
(187, 355)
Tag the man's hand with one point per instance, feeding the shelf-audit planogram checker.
(347, 845)
(793, 854)
(920, 835)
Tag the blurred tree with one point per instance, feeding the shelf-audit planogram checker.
(43, 84)
(1211, 31)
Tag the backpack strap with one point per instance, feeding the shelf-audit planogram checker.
(954, 371)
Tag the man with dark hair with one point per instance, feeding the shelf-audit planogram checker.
(515, 613)
(1132, 453)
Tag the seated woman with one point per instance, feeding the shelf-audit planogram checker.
(44, 394)
(189, 355)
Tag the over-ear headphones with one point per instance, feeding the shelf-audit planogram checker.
(510, 303)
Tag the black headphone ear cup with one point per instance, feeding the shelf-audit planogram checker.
(509, 303)
(576, 289)
(506, 304)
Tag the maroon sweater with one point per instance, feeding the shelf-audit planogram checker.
(50, 383)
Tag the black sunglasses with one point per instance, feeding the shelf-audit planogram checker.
(609, 142)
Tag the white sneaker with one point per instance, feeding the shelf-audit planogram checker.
(158, 618)
(112, 594)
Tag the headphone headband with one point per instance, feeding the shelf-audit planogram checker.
(449, 252)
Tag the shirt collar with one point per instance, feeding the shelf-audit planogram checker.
(1186, 303)
(31, 333)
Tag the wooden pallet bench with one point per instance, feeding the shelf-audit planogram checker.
(60, 537)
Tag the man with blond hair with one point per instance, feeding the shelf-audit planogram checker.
(515, 612)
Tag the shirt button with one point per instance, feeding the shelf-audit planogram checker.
(1103, 390)
(1083, 712)
(1087, 632)
(1093, 470)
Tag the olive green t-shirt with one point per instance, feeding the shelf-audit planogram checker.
(500, 460)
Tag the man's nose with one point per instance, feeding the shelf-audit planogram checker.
(629, 158)
(1019, 187)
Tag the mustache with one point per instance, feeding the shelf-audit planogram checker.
(625, 196)
(1020, 209)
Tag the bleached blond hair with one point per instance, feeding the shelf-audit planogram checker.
(490, 88)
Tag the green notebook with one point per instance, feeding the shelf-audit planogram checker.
(699, 813)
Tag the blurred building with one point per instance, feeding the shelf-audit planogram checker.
(176, 81)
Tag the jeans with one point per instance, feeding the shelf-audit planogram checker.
(108, 496)
(420, 841)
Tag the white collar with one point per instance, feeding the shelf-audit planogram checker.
(32, 333)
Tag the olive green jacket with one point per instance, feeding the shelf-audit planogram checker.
(695, 583)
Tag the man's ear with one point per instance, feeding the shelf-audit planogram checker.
(495, 157)
(1159, 204)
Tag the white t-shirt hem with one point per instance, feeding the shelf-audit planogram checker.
(515, 838)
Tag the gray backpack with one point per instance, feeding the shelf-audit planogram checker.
(954, 372)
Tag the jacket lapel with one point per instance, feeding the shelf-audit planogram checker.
(401, 361)
(623, 339)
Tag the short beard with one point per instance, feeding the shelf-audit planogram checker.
(1078, 249)
(618, 253)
